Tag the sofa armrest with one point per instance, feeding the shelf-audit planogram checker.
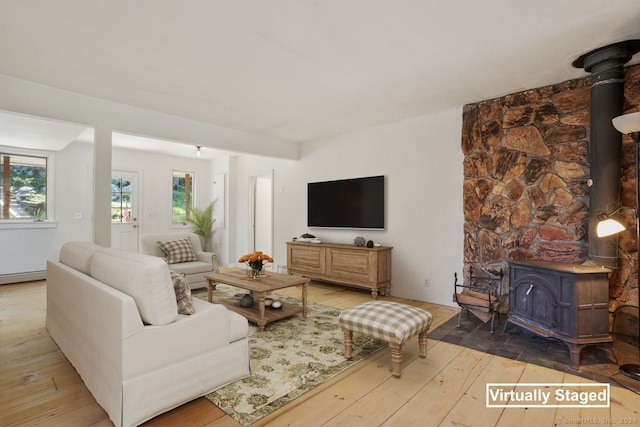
(209, 257)
(153, 347)
(88, 320)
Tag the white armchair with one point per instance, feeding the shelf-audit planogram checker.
(195, 268)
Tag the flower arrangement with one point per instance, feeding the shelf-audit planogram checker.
(256, 261)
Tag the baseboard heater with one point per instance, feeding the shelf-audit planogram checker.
(28, 276)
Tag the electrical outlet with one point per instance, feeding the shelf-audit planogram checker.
(426, 283)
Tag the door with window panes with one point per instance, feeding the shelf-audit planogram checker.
(124, 219)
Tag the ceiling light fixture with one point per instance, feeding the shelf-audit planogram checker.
(198, 150)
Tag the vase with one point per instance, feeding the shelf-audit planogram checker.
(255, 273)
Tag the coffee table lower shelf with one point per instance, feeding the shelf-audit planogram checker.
(252, 313)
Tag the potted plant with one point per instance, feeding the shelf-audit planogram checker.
(203, 221)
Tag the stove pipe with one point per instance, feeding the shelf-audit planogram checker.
(606, 66)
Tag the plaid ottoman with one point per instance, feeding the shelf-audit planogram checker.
(388, 321)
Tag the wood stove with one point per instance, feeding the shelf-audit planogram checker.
(564, 301)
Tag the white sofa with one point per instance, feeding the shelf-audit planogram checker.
(194, 271)
(114, 316)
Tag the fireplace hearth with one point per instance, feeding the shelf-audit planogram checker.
(568, 302)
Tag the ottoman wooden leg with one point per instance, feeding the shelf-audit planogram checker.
(422, 343)
(348, 343)
(396, 359)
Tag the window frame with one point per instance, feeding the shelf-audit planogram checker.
(122, 193)
(50, 221)
(193, 198)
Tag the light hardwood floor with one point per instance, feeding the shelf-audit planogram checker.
(38, 386)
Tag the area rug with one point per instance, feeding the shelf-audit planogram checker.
(289, 358)
(519, 344)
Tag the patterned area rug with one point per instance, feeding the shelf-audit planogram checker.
(289, 358)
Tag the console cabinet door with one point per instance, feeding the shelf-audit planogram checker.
(306, 259)
(349, 264)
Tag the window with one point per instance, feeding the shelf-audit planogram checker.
(182, 200)
(23, 179)
(120, 200)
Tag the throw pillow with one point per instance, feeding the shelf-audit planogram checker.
(183, 293)
(179, 250)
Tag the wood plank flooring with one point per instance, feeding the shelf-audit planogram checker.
(38, 386)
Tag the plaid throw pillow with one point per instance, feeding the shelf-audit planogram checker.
(183, 293)
(178, 251)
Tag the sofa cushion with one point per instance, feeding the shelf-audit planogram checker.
(77, 255)
(183, 293)
(143, 277)
(193, 267)
(179, 250)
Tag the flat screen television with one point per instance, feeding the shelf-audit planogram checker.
(346, 203)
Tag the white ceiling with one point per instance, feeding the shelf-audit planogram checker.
(301, 70)
(38, 134)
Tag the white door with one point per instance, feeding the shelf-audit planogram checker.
(124, 210)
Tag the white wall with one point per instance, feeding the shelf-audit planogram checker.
(155, 172)
(241, 168)
(422, 161)
(221, 236)
(263, 218)
(73, 194)
(421, 158)
(24, 97)
(27, 249)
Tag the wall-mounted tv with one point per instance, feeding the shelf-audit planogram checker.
(346, 203)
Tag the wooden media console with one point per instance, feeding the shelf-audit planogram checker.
(342, 263)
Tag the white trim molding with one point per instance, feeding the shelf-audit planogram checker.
(28, 276)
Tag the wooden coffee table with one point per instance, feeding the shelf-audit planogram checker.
(259, 288)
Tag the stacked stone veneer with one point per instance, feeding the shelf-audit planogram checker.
(526, 167)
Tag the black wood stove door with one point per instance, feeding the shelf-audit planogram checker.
(533, 298)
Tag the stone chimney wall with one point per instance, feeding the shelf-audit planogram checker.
(525, 190)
